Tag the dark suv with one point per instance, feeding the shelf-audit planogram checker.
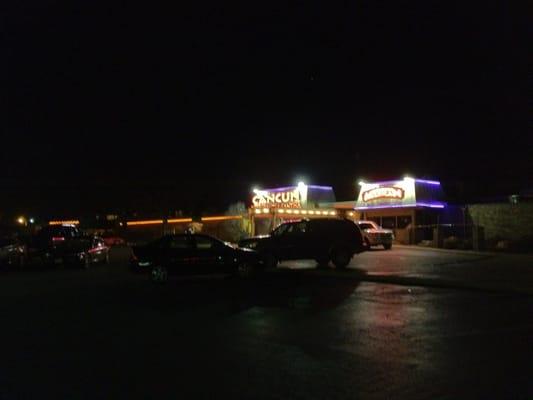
(50, 243)
(322, 239)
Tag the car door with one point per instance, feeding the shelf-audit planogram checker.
(212, 255)
(297, 237)
(283, 241)
(97, 250)
(179, 255)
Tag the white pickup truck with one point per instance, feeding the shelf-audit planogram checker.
(375, 235)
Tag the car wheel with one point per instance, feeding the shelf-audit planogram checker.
(245, 270)
(86, 262)
(387, 246)
(270, 261)
(159, 274)
(341, 258)
(21, 261)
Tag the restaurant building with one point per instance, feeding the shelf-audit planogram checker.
(399, 205)
(271, 207)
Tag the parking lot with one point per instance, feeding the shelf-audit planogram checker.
(406, 323)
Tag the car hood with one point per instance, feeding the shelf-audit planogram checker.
(378, 231)
(259, 237)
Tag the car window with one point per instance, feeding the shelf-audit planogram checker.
(300, 227)
(180, 242)
(204, 243)
(280, 230)
(366, 226)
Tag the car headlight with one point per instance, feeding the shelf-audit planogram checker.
(144, 263)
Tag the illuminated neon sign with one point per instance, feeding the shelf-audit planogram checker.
(383, 192)
(285, 199)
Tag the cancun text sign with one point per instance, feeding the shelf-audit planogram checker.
(281, 199)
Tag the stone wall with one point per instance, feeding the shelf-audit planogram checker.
(504, 221)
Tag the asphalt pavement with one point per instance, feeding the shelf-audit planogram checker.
(401, 324)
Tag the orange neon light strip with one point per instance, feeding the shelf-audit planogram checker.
(145, 222)
(222, 218)
(183, 220)
(65, 222)
(178, 220)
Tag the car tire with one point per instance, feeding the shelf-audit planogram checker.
(341, 258)
(159, 274)
(387, 246)
(245, 270)
(21, 262)
(86, 262)
(270, 261)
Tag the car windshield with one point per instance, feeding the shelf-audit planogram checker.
(366, 225)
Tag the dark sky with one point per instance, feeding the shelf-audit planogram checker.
(113, 105)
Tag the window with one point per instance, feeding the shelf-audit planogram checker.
(403, 221)
(377, 220)
(300, 227)
(280, 230)
(204, 243)
(388, 222)
(366, 225)
(180, 242)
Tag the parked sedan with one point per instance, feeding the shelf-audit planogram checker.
(85, 251)
(12, 252)
(374, 235)
(111, 239)
(191, 254)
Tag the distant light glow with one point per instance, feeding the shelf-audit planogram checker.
(281, 211)
(21, 220)
(266, 210)
(303, 211)
(32, 220)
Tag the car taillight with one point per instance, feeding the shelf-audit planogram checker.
(58, 239)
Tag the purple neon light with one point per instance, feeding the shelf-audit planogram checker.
(287, 188)
(401, 180)
(428, 182)
(430, 205)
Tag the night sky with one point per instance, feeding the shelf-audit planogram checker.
(115, 106)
